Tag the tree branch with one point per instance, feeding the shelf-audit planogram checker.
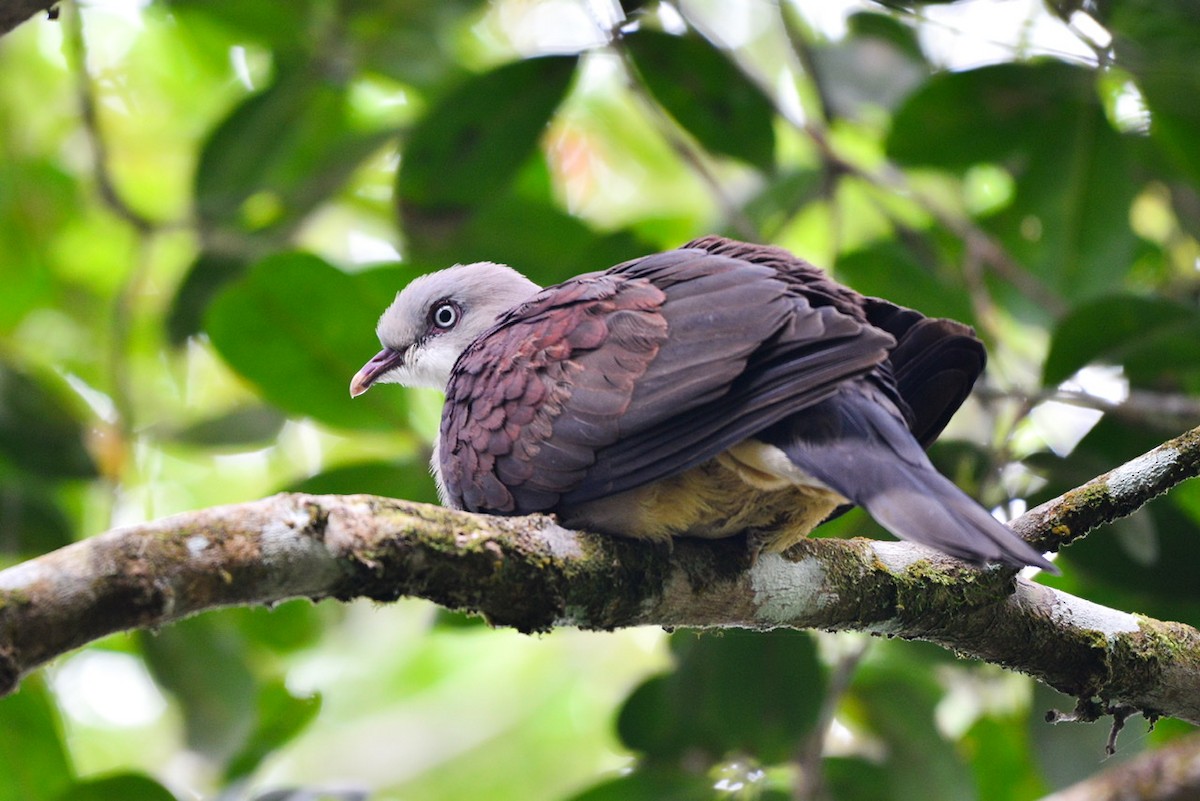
(1114, 495)
(1159, 411)
(533, 575)
(1170, 773)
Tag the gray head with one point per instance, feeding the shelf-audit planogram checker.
(434, 318)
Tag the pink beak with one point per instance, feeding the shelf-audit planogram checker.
(387, 359)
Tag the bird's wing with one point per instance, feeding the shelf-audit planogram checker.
(617, 379)
(934, 364)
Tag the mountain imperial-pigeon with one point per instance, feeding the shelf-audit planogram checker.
(715, 389)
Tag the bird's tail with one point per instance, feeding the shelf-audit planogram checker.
(858, 447)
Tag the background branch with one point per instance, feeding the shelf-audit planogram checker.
(1160, 411)
(1170, 773)
(77, 53)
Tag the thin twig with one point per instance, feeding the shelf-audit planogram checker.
(1116, 494)
(77, 53)
(810, 777)
(990, 250)
(679, 142)
(821, 115)
(124, 303)
(1163, 411)
(986, 313)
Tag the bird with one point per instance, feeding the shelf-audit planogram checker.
(717, 389)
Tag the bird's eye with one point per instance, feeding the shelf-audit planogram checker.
(445, 315)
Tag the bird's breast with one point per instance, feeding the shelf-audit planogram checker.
(722, 497)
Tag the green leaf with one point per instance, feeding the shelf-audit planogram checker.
(1068, 222)
(38, 201)
(118, 787)
(31, 520)
(280, 153)
(857, 779)
(470, 144)
(782, 198)
(299, 328)
(991, 114)
(1002, 759)
(35, 766)
(741, 692)
(407, 41)
(1074, 176)
(1151, 337)
(647, 784)
(202, 662)
(894, 698)
(205, 278)
(276, 25)
(408, 479)
(281, 628)
(564, 245)
(889, 270)
(707, 94)
(281, 716)
(245, 427)
(1157, 40)
(39, 429)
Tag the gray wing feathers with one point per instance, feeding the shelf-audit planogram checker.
(853, 443)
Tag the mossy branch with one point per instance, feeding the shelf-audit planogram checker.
(532, 575)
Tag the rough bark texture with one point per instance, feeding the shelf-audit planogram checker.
(531, 574)
(14, 12)
(1114, 495)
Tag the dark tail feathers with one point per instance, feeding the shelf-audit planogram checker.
(857, 446)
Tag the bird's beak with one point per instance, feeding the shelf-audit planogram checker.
(387, 359)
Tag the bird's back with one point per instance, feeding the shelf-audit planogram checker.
(717, 388)
(642, 372)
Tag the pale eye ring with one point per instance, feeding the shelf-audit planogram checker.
(445, 315)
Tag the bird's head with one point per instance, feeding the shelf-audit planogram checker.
(434, 318)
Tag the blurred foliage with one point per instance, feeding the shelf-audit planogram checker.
(192, 274)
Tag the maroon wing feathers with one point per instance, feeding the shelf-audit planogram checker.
(513, 383)
(615, 379)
